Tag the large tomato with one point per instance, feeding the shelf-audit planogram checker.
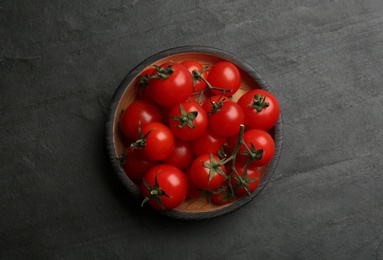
(261, 145)
(261, 109)
(138, 112)
(188, 120)
(164, 187)
(182, 155)
(207, 173)
(225, 116)
(225, 75)
(171, 84)
(156, 141)
(198, 73)
(209, 142)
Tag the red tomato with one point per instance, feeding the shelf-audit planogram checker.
(164, 187)
(247, 179)
(182, 156)
(225, 75)
(135, 166)
(226, 116)
(209, 142)
(142, 82)
(197, 72)
(261, 109)
(206, 172)
(188, 120)
(173, 85)
(138, 111)
(157, 142)
(260, 143)
(193, 191)
(221, 196)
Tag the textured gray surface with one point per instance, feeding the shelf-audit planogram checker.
(61, 63)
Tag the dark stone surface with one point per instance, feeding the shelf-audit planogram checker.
(61, 62)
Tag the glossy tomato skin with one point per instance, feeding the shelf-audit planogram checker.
(253, 177)
(200, 173)
(160, 142)
(192, 65)
(209, 142)
(171, 180)
(225, 75)
(136, 165)
(199, 123)
(227, 120)
(173, 90)
(264, 119)
(193, 191)
(261, 140)
(142, 111)
(182, 155)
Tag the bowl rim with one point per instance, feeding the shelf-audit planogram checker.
(132, 187)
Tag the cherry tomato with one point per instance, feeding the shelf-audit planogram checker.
(157, 142)
(197, 72)
(225, 116)
(142, 82)
(225, 75)
(193, 191)
(173, 85)
(135, 166)
(260, 143)
(207, 173)
(221, 196)
(182, 156)
(247, 179)
(261, 109)
(141, 111)
(188, 120)
(209, 142)
(164, 187)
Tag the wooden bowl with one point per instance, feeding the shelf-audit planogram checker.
(125, 94)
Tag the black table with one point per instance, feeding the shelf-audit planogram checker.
(61, 63)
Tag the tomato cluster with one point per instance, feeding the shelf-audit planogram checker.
(187, 138)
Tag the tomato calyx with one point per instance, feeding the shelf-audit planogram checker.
(252, 153)
(143, 82)
(141, 142)
(155, 192)
(227, 194)
(122, 158)
(259, 102)
(216, 105)
(243, 181)
(214, 167)
(163, 73)
(185, 118)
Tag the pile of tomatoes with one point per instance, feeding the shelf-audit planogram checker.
(186, 138)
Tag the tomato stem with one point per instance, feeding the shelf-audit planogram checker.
(209, 86)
